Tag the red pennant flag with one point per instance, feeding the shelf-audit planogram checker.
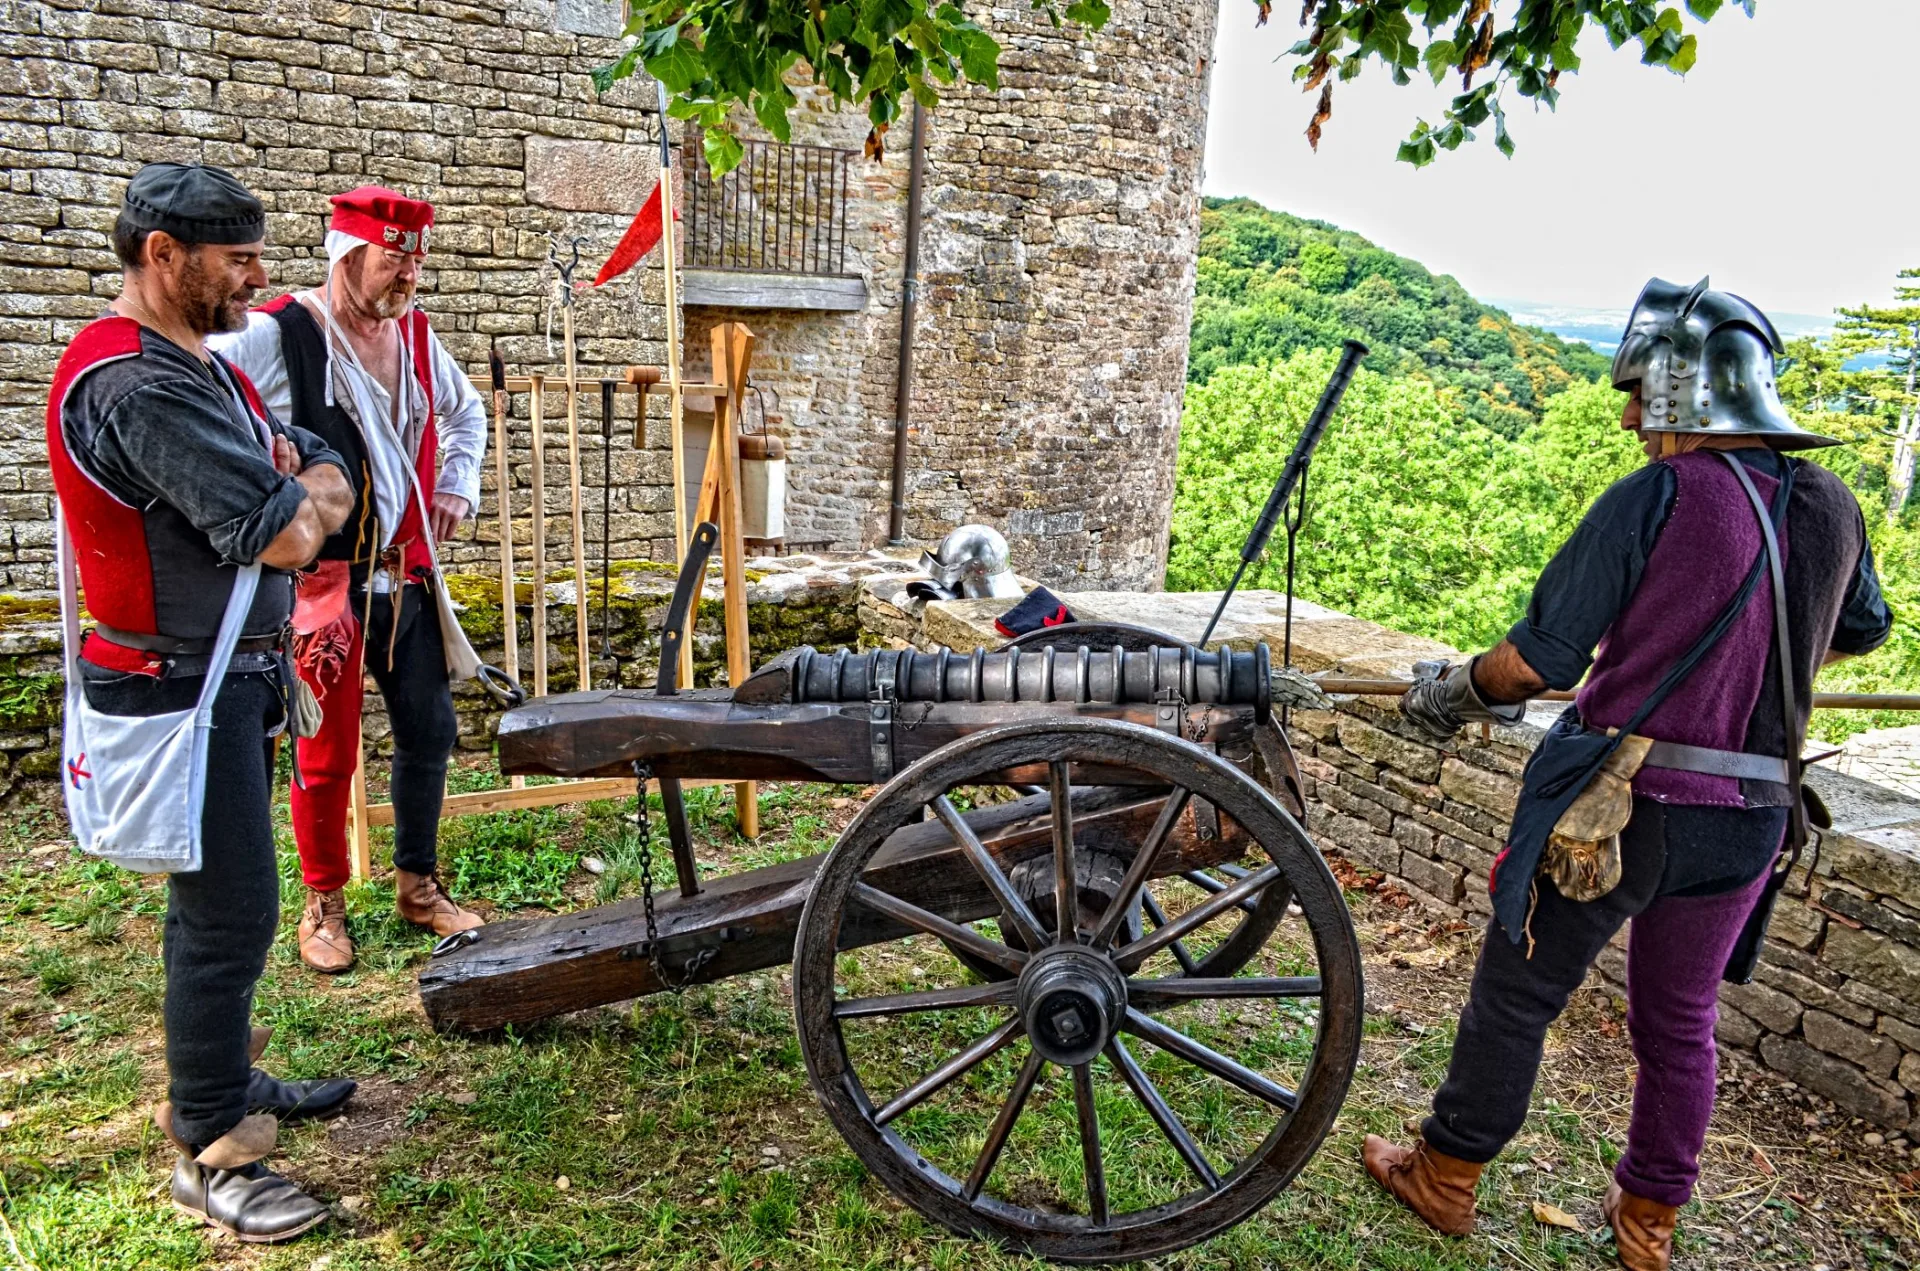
(640, 238)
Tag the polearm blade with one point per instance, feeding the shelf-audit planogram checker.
(1350, 354)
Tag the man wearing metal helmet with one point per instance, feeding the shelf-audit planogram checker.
(356, 362)
(1664, 601)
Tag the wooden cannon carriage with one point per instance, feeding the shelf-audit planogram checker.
(1084, 874)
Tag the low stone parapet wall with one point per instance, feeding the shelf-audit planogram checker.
(1835, 1006)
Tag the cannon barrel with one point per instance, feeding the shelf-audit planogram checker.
(1070, 675)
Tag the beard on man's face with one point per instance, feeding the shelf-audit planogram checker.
(396, 299)
(208, 304)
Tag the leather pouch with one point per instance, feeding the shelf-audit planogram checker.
(1582, 856)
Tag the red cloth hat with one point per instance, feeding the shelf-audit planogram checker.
(383, 217)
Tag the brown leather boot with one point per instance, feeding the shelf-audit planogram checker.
(421, 901)
(1432, 1184)
(1642, 1229)
(324, 944)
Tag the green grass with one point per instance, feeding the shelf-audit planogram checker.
(685, 1128)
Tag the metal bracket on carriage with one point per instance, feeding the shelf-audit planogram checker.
(880, 707)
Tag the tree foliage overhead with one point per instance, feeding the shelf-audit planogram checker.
(1270, 284)
(716, 55)
(1527, 51)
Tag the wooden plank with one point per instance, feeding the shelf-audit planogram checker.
(517, 971)
(553, 794)
(740, 289)
(602, 734)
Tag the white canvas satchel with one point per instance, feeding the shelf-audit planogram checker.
(135, 784)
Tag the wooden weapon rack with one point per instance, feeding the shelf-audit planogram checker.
(718, 501)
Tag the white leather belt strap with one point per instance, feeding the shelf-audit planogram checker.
(1717, 763)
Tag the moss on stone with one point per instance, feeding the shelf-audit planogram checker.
(479, 599)
(31, 701)
(26, 610)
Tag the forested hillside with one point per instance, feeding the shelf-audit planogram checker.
(1424, 514)
(1270, 284)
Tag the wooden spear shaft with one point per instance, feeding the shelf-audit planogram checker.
(537, 403)
(675, 400)
(503, 492)
(582, 642)
(1821, 701)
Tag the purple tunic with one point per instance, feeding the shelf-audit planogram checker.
(1710, 542)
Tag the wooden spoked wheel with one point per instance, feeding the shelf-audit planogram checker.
(1096, 1104)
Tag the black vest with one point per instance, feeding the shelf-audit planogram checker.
(304, 347)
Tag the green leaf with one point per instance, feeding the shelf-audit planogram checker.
(1704, 9)
(1440, 58)
(840, 18)
(1092, 14)
(1501, 141)
(838, 81)
(772, 114)
(923, 92)
(1682, 61)
(885, 18)
(980, 59)
(605, 77)
(1418, 153)
(680, 67)
(723, 150)
(880, 71)
(1669, 20)
(810, 33)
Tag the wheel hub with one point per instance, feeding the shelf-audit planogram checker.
(1071, 1000)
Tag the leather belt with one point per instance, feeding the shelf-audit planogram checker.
(178, 647)
(1717, 763)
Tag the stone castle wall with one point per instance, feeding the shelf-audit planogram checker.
(1057, 257)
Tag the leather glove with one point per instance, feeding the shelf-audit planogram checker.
(1443, 700)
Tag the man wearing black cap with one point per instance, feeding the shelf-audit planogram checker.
(170, 472)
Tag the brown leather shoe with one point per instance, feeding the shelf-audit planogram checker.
(1642, 1229)
(1432, 1184)
(324, 944)
(422, 902)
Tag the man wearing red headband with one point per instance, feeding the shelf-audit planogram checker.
(355, 362)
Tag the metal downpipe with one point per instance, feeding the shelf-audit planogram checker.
(909, 304)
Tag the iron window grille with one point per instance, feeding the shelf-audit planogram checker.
(783, 210)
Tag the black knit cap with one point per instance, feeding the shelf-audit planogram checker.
(195, 204)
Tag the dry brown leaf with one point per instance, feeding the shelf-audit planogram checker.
(1761, 1163)
(1266, 11)
(1554, 1216)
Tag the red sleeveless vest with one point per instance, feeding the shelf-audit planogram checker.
(109, 537)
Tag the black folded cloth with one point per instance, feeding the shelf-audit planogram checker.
(1041, 608)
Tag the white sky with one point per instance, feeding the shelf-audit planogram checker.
(1779, 165)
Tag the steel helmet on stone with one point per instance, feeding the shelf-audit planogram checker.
(1704, 361)
(972, 562)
